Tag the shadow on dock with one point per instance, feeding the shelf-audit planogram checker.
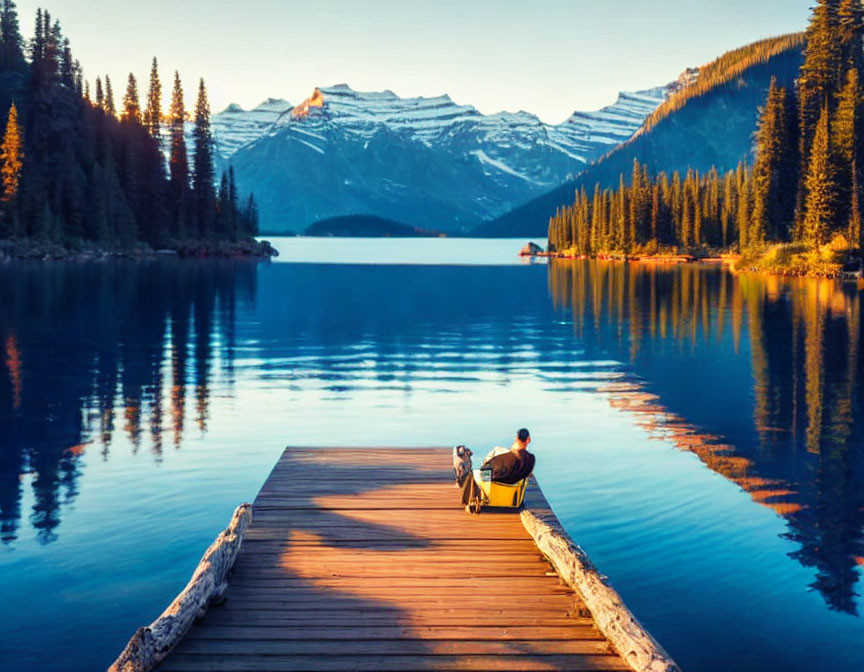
(363, 560)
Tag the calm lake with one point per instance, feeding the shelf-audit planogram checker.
(698, 433)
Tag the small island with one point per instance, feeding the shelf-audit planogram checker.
(366, 226)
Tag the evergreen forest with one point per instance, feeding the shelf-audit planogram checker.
(799, 204)
(83, 168)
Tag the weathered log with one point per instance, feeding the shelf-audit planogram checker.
(617, 623)
(150, 645)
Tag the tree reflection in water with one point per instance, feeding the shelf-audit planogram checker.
(759, 377)
(126, 330)
(802, 453)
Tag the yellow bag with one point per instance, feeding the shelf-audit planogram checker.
(500, 494)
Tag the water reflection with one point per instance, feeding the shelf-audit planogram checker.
(110, 373)
(791, 436)
(95, 349)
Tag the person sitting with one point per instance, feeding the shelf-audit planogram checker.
(511, 465)
(508, 466)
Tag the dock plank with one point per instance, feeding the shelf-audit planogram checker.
(350, 662)
(362, 559)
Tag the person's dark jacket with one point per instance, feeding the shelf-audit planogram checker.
(511, 467)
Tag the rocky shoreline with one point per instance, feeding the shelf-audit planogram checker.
(40, 251)
(769, 263)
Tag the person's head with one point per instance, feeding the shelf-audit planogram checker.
(523, 437)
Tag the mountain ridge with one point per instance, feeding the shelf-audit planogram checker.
(708, 123)
(274, 109)
(427, 161)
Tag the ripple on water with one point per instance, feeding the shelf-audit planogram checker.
(707, 454)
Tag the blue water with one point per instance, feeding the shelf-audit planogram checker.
(699, 434)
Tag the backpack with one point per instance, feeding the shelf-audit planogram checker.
(462, 463)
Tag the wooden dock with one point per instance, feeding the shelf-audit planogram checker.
(363, 559)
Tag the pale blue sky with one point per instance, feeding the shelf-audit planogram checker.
(549, 57)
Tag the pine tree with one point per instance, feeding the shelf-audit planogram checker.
(820, 211)
(553, 230)
(223, 207)
(729, 209)
(67, 65)
(656, 205)
(232, 202)
(845, 128)
(598, 221)
(771, 143)
(667, 226)
(665, 232)
(677, 205)
(635, 214)
(37, 47)
(686, 229)
(250, 217)
(110, 107)
(153, 113)
(583, 227)
(53, 50)
(131, 105)
(711, 209)
(790, 169)
(12, 156)
(819, 73)
(850, 24)
(204, 175)
(696, 197)
(79, 79)
(620, 221)
(641, 210)
(742, 216)
(12, 55)
(820, 76)
(37, 44)
(178, 162)
(100, 94)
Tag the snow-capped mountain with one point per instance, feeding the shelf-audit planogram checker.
(584, 132)
(713, 129)
(235, 127)
(428, 162)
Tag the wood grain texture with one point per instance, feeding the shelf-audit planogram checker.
(363, 559)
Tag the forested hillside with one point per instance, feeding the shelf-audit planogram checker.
(804, 187)
(82, 169)
(707, 124)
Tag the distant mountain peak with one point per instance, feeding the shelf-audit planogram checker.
(428, 161)
(233, 108)
(316, 100)
(274, 103)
